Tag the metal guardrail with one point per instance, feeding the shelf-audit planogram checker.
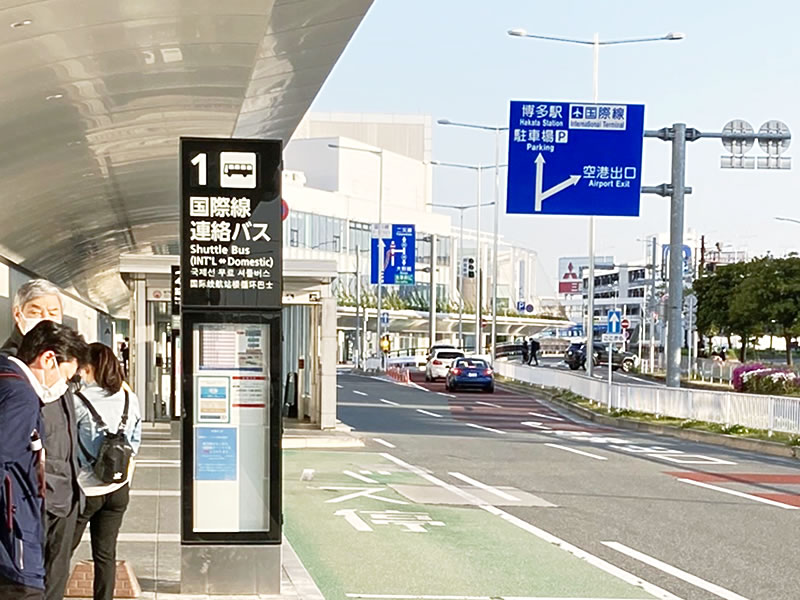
(772, 413)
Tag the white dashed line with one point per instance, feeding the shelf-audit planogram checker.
(541, 416)
(389, 402)
(430, 414)
(675, 572)
(737, 493)
(339, 386)
(483, 486)
(359, 393)
(446, 395)
(536, 425)
(384, 443)
(575, 451)
(488, 404)
(484, 428)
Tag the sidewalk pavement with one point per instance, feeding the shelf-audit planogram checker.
(150, 537)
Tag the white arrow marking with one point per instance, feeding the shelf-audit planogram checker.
(541, 196)
(351, 517)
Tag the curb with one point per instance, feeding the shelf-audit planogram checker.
(693, 435)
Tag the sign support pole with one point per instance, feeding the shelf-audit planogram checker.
(610, 351)
(675, 284)
(432, 308)
(381, 259)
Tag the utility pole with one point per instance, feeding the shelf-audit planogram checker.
(358, 307)
(652, 309)
(432, 309)
(737, 137)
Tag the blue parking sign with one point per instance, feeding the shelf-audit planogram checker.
(568, 158)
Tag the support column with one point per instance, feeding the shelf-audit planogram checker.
(138, 346)
(328, 361)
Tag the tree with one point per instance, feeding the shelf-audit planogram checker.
(779, 294)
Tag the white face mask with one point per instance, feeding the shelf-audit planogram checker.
(26, 324)
(55, 391)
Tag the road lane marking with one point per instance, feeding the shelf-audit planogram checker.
(359, 477)
(576, 451)
(446, 395)
(435, 597)
(359, 393)
(339, 386)
(353, 519)
(430, 414)
(485, 487)
(593, 560)
(675, 572)
(384, 443)
(488, 404)
(484, 428)
(536, 425)
(533, 414)
(418, 386)
(389, 402)
(738, 493)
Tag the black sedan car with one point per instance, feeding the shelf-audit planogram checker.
(575, 357)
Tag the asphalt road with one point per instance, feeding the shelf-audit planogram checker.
(699, 521)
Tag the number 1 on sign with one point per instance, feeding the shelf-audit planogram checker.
(200, 162)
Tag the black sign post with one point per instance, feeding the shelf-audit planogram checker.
(230, 305)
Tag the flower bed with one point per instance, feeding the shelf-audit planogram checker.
(757, 378)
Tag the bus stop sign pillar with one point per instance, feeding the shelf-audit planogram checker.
(231, 240)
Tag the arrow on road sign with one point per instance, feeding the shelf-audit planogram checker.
(614, 319)
(541, 196)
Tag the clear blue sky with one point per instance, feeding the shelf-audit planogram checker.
(452, 59)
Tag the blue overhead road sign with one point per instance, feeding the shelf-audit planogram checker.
(614, 324)
(574, 158)
(399, 254)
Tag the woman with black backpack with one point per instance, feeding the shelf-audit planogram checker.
(109, 434)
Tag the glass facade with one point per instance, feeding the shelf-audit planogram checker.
(318, 232)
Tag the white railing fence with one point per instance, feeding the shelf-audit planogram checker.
(772, 413)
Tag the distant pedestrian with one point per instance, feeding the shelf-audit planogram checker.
(525, 351)
(116, 408)
(535, 346)
(125, 355)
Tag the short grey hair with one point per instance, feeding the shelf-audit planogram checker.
(35, 288)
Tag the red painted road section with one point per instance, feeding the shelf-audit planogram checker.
(510, 411)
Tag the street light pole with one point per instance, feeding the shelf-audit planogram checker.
(495, 268)
(381, 257)
(460, 264)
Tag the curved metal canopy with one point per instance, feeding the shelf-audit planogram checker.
(96, 94)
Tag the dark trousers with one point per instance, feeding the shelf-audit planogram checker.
(10, 590)
(57, 554)
(104, 516)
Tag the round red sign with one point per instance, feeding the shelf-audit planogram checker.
(284, 209)
(625, 323)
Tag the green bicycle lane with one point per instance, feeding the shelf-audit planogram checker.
(359, 537)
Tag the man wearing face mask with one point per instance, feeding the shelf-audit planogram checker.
(47, 357)
(36, 301)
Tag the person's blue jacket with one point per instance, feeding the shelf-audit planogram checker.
(21, 504)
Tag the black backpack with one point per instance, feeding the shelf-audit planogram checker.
(114, 458)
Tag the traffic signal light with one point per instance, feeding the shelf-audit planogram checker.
(468, 267)
(386, 344)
